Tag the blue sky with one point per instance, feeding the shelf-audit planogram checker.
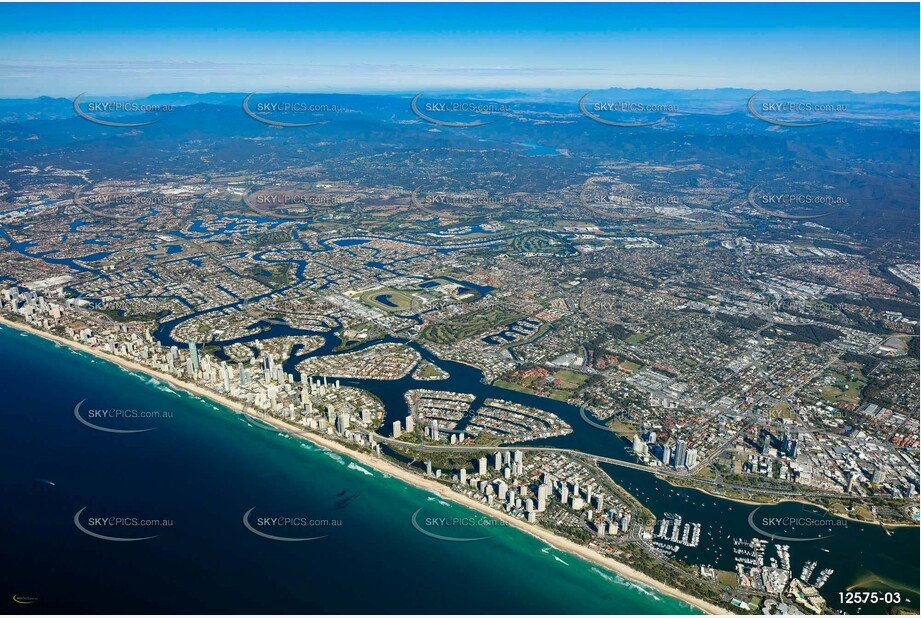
(132, 49)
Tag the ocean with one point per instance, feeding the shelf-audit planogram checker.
(187, 507)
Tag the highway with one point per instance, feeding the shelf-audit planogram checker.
(595, 459)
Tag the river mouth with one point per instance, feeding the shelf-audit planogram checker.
(847, 548)
(722, 522)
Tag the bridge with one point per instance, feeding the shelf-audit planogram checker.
(542, 449)
(595, 459)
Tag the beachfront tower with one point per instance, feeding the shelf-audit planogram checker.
(193, 355)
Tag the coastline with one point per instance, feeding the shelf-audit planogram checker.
(390, 469)
(782, 500)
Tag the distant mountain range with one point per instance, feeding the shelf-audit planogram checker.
(898, 106)
(711, 144)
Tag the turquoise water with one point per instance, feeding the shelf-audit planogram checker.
(198, 472)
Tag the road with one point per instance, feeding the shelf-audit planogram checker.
(595, 459)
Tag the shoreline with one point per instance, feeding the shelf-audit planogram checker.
(390, 469)
(782, 500)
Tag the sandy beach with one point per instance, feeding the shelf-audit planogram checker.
(386, 467)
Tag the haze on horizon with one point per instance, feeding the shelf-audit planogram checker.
(143, 49)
